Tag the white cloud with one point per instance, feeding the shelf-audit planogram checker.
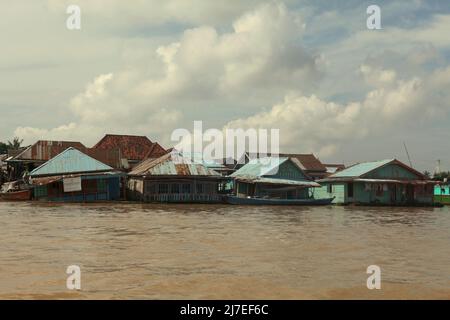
(261, 57)
(314, 125)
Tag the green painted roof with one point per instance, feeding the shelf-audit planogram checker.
(360, 169)
(70, 161)
(260, 167)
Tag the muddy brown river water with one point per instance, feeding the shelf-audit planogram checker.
(150, 251)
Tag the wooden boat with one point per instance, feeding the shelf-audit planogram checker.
(21, 195)
(272, 201)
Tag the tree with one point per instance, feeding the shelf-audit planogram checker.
(427, 174)
(15, 143)
(441, 175)
(3, 148)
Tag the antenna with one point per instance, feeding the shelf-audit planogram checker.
(407, 153)
(437, 170)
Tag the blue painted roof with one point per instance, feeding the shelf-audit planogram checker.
(70, 161)
(360, 169)
(260, 167)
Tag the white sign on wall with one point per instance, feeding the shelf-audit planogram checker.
(72, 184)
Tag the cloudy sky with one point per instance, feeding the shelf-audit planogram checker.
(310, 68)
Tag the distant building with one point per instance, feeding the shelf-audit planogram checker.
(283, 178)
(307, 162)
(174, 178)
(386, 182)
(442, 193)
(333, 168)
(75, 176)
(132, 149)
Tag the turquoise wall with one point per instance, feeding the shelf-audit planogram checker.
(338, 191)
(288, 170)
(442, 190)
(370, 195)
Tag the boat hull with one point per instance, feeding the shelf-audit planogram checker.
(23, 195)
(285, 202)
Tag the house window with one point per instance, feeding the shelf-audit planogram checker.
(186, 188)
(163, 188)
(330, 188)
(151, 188)
(350, 190)
(199, 187)
(175, 188)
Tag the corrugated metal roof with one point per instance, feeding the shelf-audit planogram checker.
(70, 161)
(259, 167)
(44, 150)
(360, 169)
(172, 164)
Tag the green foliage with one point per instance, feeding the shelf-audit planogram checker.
(3, 148)
(442, 175)
(15, 143)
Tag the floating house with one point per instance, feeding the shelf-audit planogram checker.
(132, 149)
(442, 193)
(73, 176)
(174, 178)
(275, 178)
(386, 182)
(307, 162)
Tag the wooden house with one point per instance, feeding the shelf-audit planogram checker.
(174, 178)
(386, 182)
(73, 176)
(273, 177)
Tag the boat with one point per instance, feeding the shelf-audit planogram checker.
(21, 195)
(273, 201)
(15, 191)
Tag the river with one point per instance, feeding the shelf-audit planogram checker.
(150, 251)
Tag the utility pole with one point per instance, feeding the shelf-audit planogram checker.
(437, 170)
(409, 159)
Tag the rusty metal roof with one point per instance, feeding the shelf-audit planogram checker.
(44, 150)
(172, 164)
(131, 147)
(308, 161)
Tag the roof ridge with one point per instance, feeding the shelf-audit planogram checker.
(54, 159)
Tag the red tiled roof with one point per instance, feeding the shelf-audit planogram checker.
(131, 147)
(155, 151)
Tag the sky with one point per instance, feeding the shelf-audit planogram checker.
(309, 68)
